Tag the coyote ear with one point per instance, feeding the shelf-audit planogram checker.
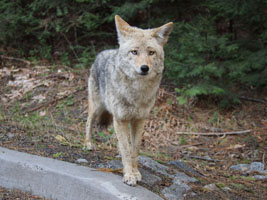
(162, 33)
(123, 28)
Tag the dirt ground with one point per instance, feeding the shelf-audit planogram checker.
(43, 111)
(17, 195)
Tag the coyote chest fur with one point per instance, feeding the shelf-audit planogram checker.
(123, 83)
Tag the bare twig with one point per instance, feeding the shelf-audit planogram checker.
(56, 75)
(215, 134)
(53, 101)
(188, 145)
(168, 93)
(75, 54)
(46, 104)
(60, 129)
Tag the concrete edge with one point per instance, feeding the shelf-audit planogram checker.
(60, 180)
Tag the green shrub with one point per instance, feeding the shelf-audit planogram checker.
(210, 55)
(217, 47)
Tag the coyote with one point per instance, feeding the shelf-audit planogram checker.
(122, 86)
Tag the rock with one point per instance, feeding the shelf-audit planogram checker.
(10, 136)
(192, 194)
(240, 167)
(226, 189)
(101, 165)
(75, 113)
(176, 191)
(154, 166)
(184, 178)
(118, 156)
(207, 158)
(148, 178)
(114, 164)
(81, 161)
(179, 164)
(146, 135)
(210, 187)
(257, 166)
(260, 177)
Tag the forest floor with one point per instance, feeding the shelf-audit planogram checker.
(43, 111)
(6, 194)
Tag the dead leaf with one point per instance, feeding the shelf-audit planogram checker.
(24, 80)
(146, 135)
(109, 170)
(69, 76)
(5, 72)
(47, 83)
(40, 98)
(192, 148)
(175, 143)
(63, 93)
(61, 139)
(236, 146)
(42, 113)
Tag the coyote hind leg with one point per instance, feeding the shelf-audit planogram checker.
(94, 108)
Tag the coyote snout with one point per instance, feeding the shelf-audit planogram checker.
(115, 88)
(144, 69)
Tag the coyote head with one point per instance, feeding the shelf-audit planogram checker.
(141, 51)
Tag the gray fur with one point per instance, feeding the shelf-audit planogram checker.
(117, 86)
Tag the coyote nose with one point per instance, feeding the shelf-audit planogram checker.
(144, 69)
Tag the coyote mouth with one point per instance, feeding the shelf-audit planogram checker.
(143, 73)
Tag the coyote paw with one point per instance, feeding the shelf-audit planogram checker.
(89, 146)
(129, 179)
(137, 175)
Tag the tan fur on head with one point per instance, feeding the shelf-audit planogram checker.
(162, 33)
(123, 28)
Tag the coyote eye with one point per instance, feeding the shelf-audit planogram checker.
(151, 53)
(134, 52)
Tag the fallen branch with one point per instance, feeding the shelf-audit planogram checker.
(28, 63)
(46, 104)
(53, 101)
(215, 134)
(253, 100)
(204, 158)
(108, 170)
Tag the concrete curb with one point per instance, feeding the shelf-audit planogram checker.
(60, 180)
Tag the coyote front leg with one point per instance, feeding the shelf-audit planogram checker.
(137, 127)
(122, 132)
